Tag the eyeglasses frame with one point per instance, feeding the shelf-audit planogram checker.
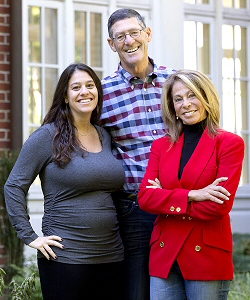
(125, 35)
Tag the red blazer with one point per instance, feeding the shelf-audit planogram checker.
(197, 234)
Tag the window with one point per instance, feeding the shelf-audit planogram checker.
(235, 85)
(42, 64)
(90, 23)
(204, 43)
(235, 3)
(235, 74)
(197, 1)
(197, 46)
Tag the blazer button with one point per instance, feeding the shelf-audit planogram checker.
(183, 218)
(178, 209)
(197, 248)
(162, 244)
(189, 218)
(172, 208)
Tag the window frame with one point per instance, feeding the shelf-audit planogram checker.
(88, 9)
(213, 58)
(241, 17)
(35, 191)
(217, 15)
(60, 41)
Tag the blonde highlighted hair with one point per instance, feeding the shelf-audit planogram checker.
(204, 90)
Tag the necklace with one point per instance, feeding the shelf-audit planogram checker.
(92, 145)
(90, 132)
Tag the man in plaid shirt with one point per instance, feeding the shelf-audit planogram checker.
(132, 116)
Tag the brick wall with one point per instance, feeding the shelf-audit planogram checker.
(4, 87)
(4, 74)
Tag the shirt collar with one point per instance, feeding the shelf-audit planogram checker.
(133, 79)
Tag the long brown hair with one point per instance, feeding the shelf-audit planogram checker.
(60, 114)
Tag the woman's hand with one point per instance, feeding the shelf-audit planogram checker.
(211, 192)
(43, 243)
(155, 184)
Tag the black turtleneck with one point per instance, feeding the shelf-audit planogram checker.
(192, 135)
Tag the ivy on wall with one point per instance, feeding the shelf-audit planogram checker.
(13, 246)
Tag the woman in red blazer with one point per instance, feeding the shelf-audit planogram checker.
(190, 182)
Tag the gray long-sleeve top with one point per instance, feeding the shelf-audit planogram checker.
(77, 199)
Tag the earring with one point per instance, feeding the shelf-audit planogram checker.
(177, 117)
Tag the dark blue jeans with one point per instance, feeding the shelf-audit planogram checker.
(135, 228)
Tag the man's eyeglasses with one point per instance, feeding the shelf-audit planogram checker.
(135, 33)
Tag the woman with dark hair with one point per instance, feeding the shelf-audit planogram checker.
(191, 181)
(80, 255)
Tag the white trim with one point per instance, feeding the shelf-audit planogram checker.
(68, 25)
(88, 9)
(25, 128)
(43, 5)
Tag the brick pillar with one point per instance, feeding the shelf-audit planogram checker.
(4, 88)
(4, 74)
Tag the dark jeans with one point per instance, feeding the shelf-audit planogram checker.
(61, 281)
(135, 228)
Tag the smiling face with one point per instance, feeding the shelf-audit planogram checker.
(82, 95)
(187, 106)
(133, 51)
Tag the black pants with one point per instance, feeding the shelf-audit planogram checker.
(81, 282)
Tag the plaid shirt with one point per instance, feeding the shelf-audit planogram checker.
(132, 116)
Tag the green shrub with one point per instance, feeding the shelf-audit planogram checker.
(240, 287)
(29, 270)
(13, 246)
(22, 291)
(241, 253)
